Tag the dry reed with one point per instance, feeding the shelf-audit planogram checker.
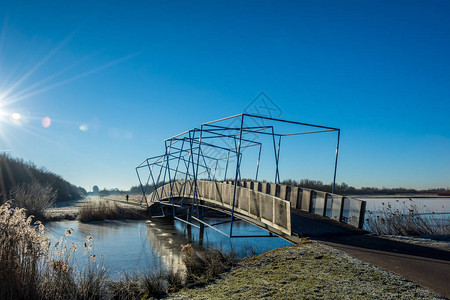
(100, 211)
(406, 220)
(32, 268)
(206, 265)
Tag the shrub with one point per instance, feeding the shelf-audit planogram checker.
(34, 197)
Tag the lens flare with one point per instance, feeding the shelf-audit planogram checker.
(84, 127)
(46, 122)
(18, 119)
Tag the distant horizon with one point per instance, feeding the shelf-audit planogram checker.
(89, 188)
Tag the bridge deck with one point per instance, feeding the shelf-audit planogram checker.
(305, 224)
(289, 212)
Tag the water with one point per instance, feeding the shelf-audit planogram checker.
(424, 205)
(138, 246)
(435, 209)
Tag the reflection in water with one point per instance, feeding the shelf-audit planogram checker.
(140, 246)
(165, 241)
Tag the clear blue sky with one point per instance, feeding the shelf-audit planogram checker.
(116, 78)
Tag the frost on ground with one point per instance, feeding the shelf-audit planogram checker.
(70, 209)
(438, 241)
(309, 270)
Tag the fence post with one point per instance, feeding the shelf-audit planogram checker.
(362, 212)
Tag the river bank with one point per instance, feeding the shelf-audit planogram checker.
(308, 270)
(69, 210)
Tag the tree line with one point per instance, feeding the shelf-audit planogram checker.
(345, 189)
(341, 189)
(16, 172)
(136, 189)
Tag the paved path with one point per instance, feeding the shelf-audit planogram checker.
(428, 267)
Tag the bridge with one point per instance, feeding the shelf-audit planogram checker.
(204, 168)
(184, 181)
(273, 207)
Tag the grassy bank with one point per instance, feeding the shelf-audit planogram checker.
(307, 271)
(31, 268)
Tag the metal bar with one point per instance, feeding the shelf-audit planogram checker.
(278, 159)
(204, 161)
(220, 223)
(154, 183)
(226, 168)
(257, 163)
(212, 227)
(150, 175)
(309, 132)
(336, 161)
(187, 131)
(238, 161)
(160, 165)
(290, 122)
(258, 130)
(171, 204)
(223, 119)
(142, 189)
(187, 222)
(253, 236)
(195, 173)
(215, 170)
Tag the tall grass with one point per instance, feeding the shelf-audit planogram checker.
(22, 246)
(206, 265)
(100, 211)
(61, 279)
(406, 220)
(33, 268)
(144, 286)
(202, 267)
